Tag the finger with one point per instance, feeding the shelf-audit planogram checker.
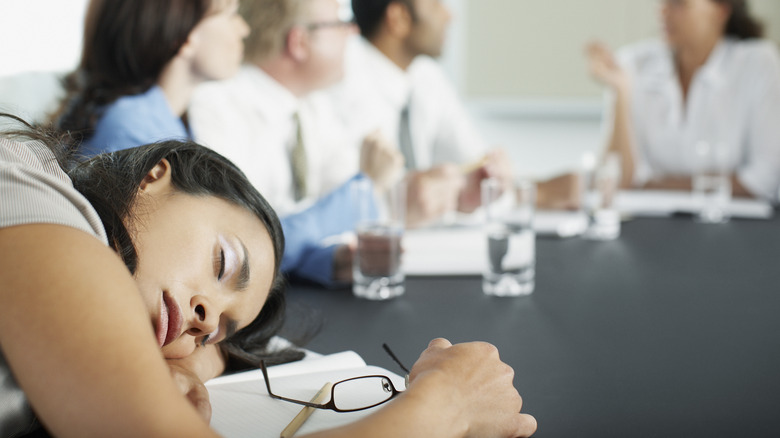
(203, 406)
(439, 344)
(526, 426)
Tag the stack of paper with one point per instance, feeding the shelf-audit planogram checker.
(462, 249)
(241, 407)
(666, 203)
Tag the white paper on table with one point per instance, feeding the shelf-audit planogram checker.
(666, 203)
(241, 407)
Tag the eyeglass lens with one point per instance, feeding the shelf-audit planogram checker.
(361, 392)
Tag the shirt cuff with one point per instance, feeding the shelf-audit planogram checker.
(317, 266)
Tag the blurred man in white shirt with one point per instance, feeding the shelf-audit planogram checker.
(296, 48)
(394, 84)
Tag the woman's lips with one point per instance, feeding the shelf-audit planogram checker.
(169, 327)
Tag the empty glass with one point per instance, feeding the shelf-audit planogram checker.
(601, 183)
(711, 182)
(511, 240)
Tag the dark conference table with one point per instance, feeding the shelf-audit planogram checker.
(673, 330)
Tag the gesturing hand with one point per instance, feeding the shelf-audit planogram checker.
(603, 68)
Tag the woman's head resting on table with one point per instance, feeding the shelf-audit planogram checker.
(203, 245)
(130, 45)
(693, 22)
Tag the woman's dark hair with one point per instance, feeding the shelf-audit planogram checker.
(741, 24)
(370, 13)
(110, 183)
(127, 43)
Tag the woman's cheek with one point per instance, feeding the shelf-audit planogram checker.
(179, 349)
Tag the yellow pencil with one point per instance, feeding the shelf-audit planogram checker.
(306, 412)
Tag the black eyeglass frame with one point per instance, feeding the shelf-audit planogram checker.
(326, 24)
(330, 404)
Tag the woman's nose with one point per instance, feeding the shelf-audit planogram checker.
(204, 318)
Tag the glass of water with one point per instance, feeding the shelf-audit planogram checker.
(711, 182)
(601, 183)
(376, 267)
(511, 240)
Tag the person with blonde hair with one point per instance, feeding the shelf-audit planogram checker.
(713, 79)
(270, 119)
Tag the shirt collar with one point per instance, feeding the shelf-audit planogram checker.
(271, 98)
(395, 83)
(711, 73)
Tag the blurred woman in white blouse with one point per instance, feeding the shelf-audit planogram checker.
(713, 79)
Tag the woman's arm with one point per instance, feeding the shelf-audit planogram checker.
(685, 183)
(606, 70)
(455, 391)
(79, 340)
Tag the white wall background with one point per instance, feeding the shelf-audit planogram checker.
(40, 35)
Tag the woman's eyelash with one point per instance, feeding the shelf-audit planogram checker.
(221, 264)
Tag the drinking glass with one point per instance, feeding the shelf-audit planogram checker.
(511, 240)
(601, 183)
(711, 182)
(376, 267)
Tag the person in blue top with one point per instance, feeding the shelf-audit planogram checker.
(140, 64)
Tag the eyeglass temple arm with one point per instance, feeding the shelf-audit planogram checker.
(392, 355)
(291, 400)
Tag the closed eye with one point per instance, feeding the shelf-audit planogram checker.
(219, 264)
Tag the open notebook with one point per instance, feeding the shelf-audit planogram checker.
(242, 408)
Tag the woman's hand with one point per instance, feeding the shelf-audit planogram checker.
(475, 386)
(603, 68)
(191, 387)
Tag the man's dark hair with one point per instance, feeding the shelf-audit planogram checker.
(370, 13)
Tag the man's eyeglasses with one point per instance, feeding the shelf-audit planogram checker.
(326, 24)
(350, 395)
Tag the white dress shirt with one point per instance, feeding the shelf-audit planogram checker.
(375, 91)
(249, 119)
(733, 101)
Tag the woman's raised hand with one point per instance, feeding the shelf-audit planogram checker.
(604, 68)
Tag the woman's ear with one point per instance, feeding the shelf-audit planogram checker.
(158, 179)
(724, 12)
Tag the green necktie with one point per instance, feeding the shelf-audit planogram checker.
(298, 162)
(405, 139)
